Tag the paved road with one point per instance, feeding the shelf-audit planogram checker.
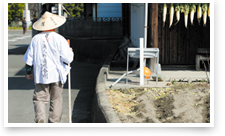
(20, 90)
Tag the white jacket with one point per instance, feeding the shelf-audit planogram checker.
(39, 55)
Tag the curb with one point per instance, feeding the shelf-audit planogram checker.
(102, 111)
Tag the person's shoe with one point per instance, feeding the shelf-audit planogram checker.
(41, 121)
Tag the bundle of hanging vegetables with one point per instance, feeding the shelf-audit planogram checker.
(186, 12)
(202, 9)
(177, 9)
(192, 13)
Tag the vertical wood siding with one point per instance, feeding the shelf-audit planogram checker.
(177, 44)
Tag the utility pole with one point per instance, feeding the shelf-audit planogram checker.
(27, 15)
(60, 9)
(153, 35)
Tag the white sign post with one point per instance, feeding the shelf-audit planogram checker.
(141, 40)
(26, 15)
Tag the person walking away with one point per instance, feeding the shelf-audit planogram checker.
(46, 57)
(24, 25)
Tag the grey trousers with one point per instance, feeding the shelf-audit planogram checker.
(42, 94)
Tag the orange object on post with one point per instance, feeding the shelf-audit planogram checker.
(147, 72)
(68, 40)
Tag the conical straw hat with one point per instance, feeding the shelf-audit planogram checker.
(49, 21)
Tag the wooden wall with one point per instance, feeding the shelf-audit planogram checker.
(177, 44)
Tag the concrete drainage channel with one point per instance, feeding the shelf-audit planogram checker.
(95, 51)
(102, 111)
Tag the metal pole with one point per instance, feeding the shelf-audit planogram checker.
(69, 92)
(69, 99)
(141, 40)
(146, 21)
(27, 15)
(65, 9)
(60, 9)
(145, 29)
(37, 11)
(39, 5)
(127, 65)
(125, 74)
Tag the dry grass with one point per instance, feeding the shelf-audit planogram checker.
(124, 100)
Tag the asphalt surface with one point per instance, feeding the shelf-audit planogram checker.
(20, 90)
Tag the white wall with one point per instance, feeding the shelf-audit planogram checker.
(137, 22)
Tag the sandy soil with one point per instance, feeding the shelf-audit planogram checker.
(182, 103)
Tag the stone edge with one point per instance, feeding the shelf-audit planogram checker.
(102, 111)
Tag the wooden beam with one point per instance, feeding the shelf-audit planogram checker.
(153, 37)
(153, 33)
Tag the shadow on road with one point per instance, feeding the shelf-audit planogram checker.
(20, 50)
(20, 83)
(84, 72)
(83, 78)
(82, 105)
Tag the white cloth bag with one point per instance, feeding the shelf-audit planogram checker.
(63, 72)
(62, 69)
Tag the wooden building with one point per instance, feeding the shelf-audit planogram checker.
(178, 45)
